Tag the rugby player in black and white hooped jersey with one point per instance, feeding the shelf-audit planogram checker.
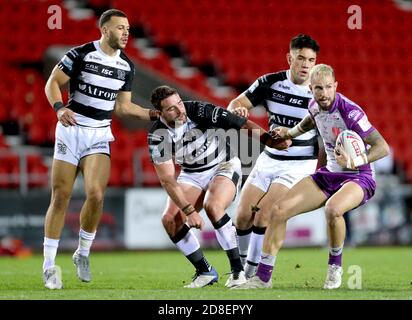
(285, 95)
(190, 134)
(100, 77)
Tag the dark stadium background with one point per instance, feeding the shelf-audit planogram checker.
(210, 50)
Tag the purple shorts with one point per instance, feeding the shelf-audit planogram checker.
(331, 182)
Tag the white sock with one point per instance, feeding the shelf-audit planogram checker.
(243, 244)
(267, 259)
(188, 244)
(226, 236)
(255, 247)
(85, 242)
(49, 252)
(253, 254)
(336, 251)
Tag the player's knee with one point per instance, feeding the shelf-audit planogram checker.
(213, 209)
(167, 219)
(243, 224)
(243, 213)
(171, 217)
(172, 222)
(245, 216)
(95, 195)
(61, 197)
(262, 218)
(278, 214)
(332, 212)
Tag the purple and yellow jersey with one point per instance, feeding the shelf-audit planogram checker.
(343, 115)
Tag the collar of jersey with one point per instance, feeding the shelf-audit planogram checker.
(176, 133)
(97, 46)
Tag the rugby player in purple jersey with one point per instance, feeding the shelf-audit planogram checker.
(340, 186)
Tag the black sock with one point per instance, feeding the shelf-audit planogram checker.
(199, 261)
(234, 259)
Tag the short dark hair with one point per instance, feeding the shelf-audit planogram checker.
(106, 16)
(161, 93)
(304, 41)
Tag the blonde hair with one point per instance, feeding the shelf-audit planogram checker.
(320, 71)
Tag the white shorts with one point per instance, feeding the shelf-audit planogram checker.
(231, 169)
(75, 142)
(287, 172)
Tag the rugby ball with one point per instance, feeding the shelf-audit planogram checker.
(351, 142)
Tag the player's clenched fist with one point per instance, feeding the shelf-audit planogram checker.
(241, 112)
(194, 220)
(280, 132)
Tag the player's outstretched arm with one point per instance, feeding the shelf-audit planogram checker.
(53, 93)
(303, 126)
(272, 141)
(166, 173)
(125, 107)
(240, 106)
(218, 117)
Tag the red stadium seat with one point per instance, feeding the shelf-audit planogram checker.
(37, 171)
(10, 170)
(37, 134)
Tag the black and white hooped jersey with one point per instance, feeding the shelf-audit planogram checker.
(200, 143)
(95, 81)
(286, 104)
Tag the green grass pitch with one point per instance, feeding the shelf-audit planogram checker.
(386, 273)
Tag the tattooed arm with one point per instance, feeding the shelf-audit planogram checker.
(379, 149)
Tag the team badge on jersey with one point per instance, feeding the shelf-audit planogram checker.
(61, 148)
(121, 75)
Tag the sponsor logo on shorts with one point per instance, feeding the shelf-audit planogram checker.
(102, 146)
(98, 146)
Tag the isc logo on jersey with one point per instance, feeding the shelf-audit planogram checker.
(296, 101)
(107, 71)
(351, 142)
